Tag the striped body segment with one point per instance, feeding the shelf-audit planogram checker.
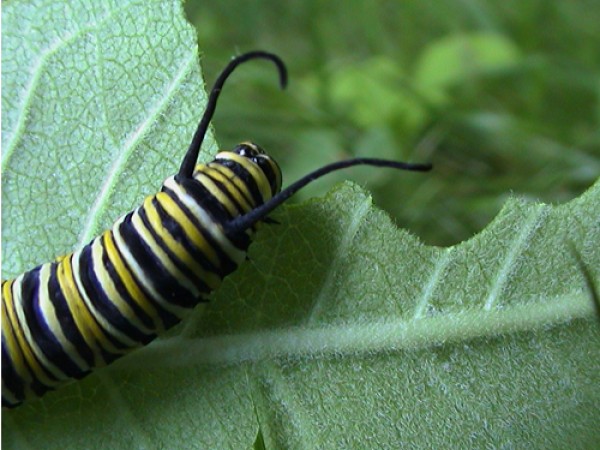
(63, 319)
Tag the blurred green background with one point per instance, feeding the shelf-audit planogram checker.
(502, 96)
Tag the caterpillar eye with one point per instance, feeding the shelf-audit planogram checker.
(249, 150)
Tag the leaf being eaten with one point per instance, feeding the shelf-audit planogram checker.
(341, 331)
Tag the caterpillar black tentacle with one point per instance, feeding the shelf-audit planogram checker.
(65, 318)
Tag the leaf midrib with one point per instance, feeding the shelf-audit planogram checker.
(354, 339)
(89, 228)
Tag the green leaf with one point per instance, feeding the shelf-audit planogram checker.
(376, 92)
(462, 58)
(341, 331)
(99, 102)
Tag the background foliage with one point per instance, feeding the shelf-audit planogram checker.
(503, 96)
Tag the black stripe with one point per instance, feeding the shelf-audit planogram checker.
(217, 213)
(205, 200)
(217, 167)
(167, 319)
(11, 379)
(41, 333)
(29, 286)
(242, 240)
(225, 263)
(141, 315)
(224, 189)
(106, 354)
(35, 384)
(267, 168)
(102, 303)
(246, 178)
(178, 233)
(229, 189)
(164, 283)
(67, 323)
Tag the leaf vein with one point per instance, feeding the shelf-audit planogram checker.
(37, 70)
(431, 285)
(90, 224)
(520, 243)
(342, 250)
(360, 338)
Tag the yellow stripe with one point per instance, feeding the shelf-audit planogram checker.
(85, 322)
(61, 257)
(125, 276)
(216, 192)
(277, 171)
(55, 374)
(53, 321)
(255, 172)
(173, 210)
(104, 323)
(209, 226)
(8, 333)
(234, 184)
(164, 258)
(211, 279)
(108, 286)
(21, 341)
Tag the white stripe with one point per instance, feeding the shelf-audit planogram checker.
(108, 286)
(140, 275)
(53, 323)
(177, 275)
(44, 362)
(215, 230)
(257, 174)
(106, 327)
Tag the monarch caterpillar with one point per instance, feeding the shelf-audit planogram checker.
(64, 318)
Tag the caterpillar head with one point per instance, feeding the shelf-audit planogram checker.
(254, 163)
